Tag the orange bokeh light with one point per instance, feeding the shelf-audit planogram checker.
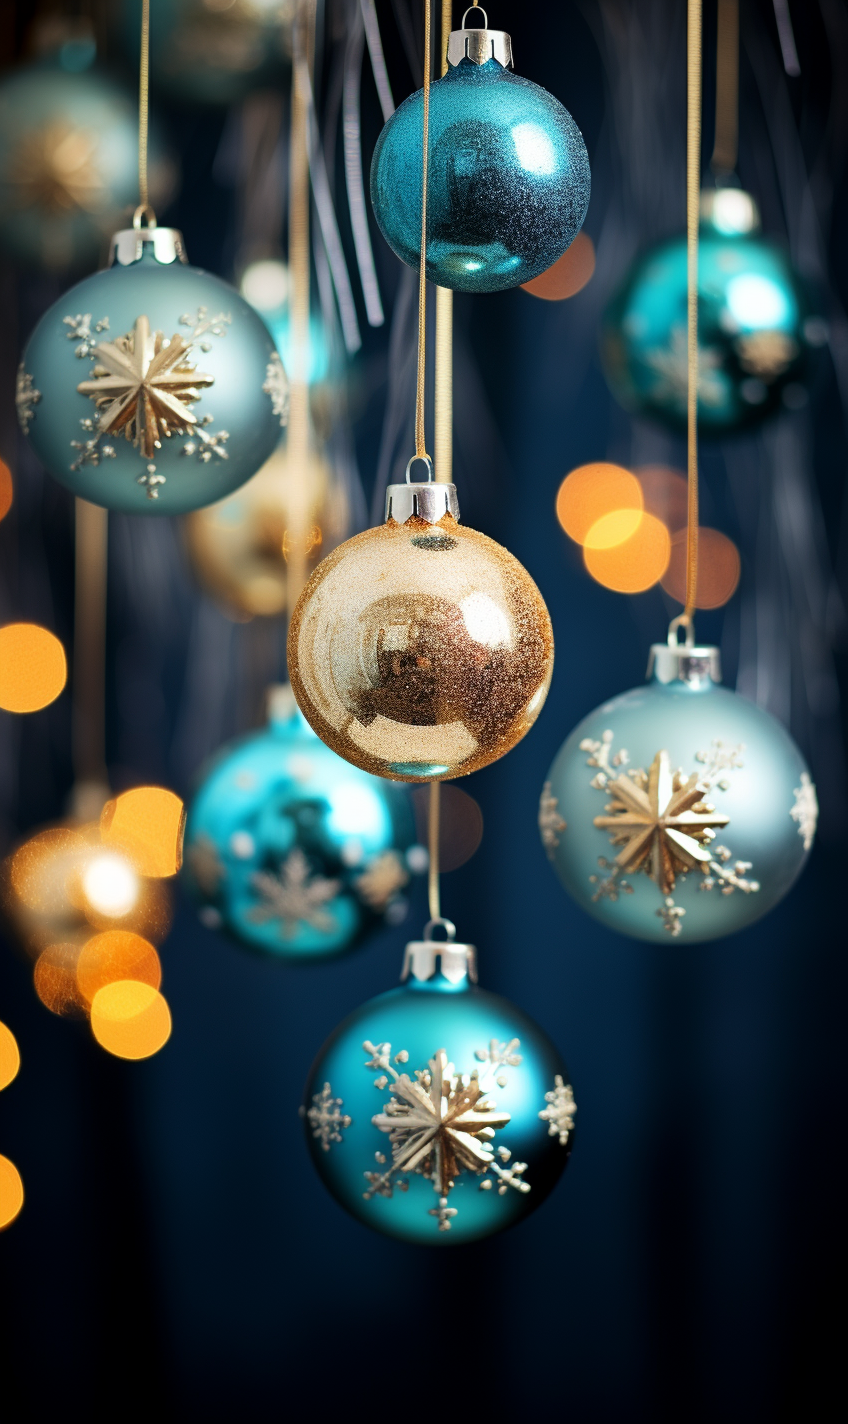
(114, 955)
(11, 1192)
(665, 495)
(55, 980)
(633, 564)
(569, 274)
(130, 1019)
(33, 667)
(719, 567)
(148, 823)
(10, 1056)
(612, 529)
(590, 492)
(460, 824)
(7, 489)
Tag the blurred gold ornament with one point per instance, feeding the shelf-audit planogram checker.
(242, 547)
(420, 650)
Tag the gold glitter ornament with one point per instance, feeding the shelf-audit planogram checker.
(420, 650)
(241, 547)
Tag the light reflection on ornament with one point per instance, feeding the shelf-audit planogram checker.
(110, 885)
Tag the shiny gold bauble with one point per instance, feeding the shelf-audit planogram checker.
(420, 651)
(241, 548)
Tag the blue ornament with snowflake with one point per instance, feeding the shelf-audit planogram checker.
(678, 810)
(439, 1113)
(508, 174)
(151, 387)
(293, 852)
(754, 326)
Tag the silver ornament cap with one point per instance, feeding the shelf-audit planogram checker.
(684, 662)
(479, 44)
(128, 245)
(424, 958)
(422, 499)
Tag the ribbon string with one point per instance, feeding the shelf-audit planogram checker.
(144, 207)
(726, 142)
(443, 423)
(693, 204)
(420, 442)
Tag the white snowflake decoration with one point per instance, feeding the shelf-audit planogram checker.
(326, 1119)
(806, 809)
(559, 1114)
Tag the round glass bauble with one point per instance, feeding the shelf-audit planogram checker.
(752, 318)
(439, 1113)
(240, 548)
(420, 651)
(507, 183)
(151, 387)
(291, 851)
(213, 51)
(68, 164)
(678, 809)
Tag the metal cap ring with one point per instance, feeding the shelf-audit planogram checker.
(448, 926)
(144, 210)
(682, 620)
(476, 10)
(431, 478)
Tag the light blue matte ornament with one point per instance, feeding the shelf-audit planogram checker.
(439, 1113)
(753, 325)
(152, 387)
(68, 155)
(293, 852)
(678, 809)
(508, 175)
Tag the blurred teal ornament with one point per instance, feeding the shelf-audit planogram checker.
(213, 51)
(439, 1113)
(265, 284)
(508, 174)
(68, 160)
(293, 852)
(753, 325)
(152, 387)
(678, 808)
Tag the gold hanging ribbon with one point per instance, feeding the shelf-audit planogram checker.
(298, 435)
(89, 680)
(144, 209)
(433, 895)
(693, 204)
(420, 442)
(443, 443)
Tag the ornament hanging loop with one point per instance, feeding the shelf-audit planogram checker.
(476, 10)
(428, 462)
(440, 923)
(683, 620)
(144, 210)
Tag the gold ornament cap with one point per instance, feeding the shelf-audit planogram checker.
(684, 662)
(424, 958)
(479, 44)
(424, 499)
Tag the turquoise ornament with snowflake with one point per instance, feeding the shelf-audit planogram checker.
(439, 1113)
(754, 325)
(291, 851)
(151, 387)
(678, 810)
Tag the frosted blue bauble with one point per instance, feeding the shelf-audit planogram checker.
(508, 179)
(292, 851)
(439, 1113)
(751, 328)
(678, 809)
(152, 387)
(68, 163)
(213, 51)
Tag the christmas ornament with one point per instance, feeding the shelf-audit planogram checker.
(293, 852)
(420, 649)
(752, 319)
(508, 173)
(240, 547)
(67, 163)
(214, 51)
(678, 808)
(439, 1113)
(151, 387)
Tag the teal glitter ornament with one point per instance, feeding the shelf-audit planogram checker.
(678, 808)
(152, 387)
(439, 1113)
(291, 851)
(508, 174)
(68, 146)
(753, 325)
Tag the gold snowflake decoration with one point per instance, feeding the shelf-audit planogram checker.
(662, 823)
(294, 896)
(143, 386)
(766, 354)
(671, 367)
(381, 880)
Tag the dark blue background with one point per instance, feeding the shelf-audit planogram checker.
(176, 1257)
